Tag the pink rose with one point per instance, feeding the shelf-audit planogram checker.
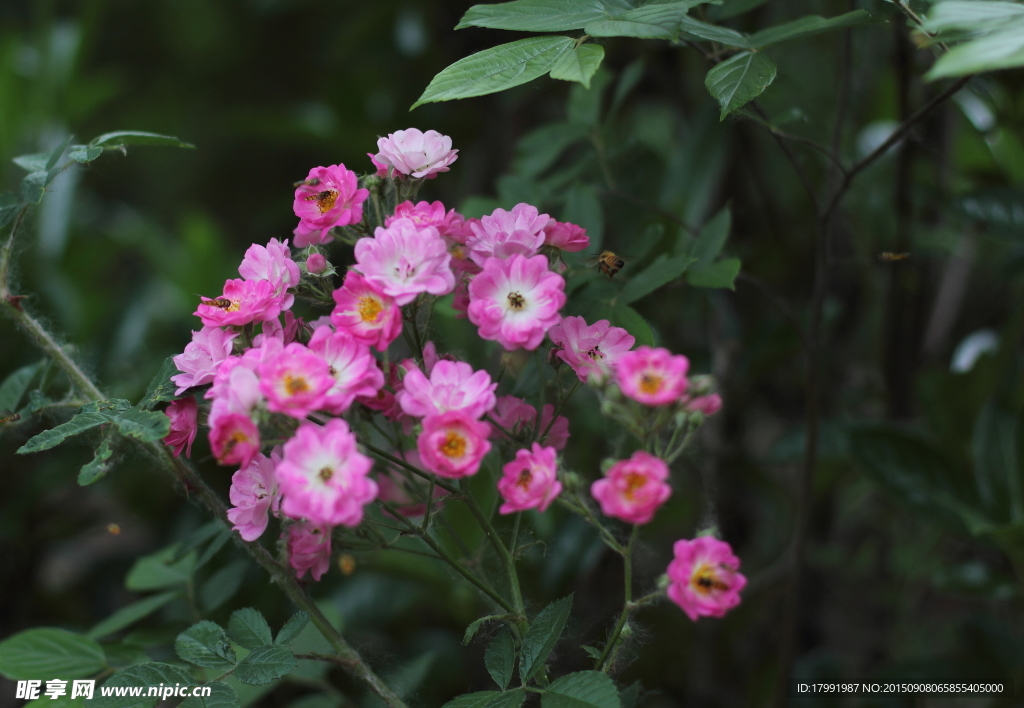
(309, 548)
(412, 152)
(591, 350)
(198, 363)
(705, 577)
(295, 381)
(365, 312)
(653, 377)
(254, 494)
(182, 413)
(633, 489)
(515, 301)
(453, 444)
(404, 260)
(328, 197)
(452, 386)
(530, 481)
(242, 302)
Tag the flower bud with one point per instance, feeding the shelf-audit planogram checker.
(372, 182)
(701, 385)
(571, 481)
(316, 263)
(664, 581)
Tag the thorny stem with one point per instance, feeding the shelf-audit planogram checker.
(605, 662)
(584, 511)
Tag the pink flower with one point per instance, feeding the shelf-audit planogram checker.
(505, 233)
(708, 405)
(182, 413)
(243, 301)
(591, 350)
(351, 365)
(518, 417)
(397, 489)
(254, 493)
(385, 401)
(530, 481)
(453, 386)
(633, 489)
(309, 548)
(452, 444)
(411, 152)
(653, 377)
(565, 236)
(448, 224)
(295, 381)
(286, 334)
(705, 577)
(516, 301)
(405, 260)
(234, 438)
(323, 477)
(198, 363)
(328, 197)
(365, 312)
(236, 388)
(274, 264)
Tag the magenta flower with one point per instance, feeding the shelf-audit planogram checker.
(234, 438)
(254, 494)
(633, 489)
(285, 334)
(653, 377)
(198, 363)
(309, 548)
(328, 197)
(705, 577)
(453, 444)
(591, 350)
(565, 236)
(412, 152)
(272, 263)
(404, 260)
(295, 381)
(243, 301)
(183, 413)
(506, 233)
(323, 476)
(453, 386)
(350, 363)
(365, 312)
(448, 224)
(516, 301)
(518, 417)
(530, 481)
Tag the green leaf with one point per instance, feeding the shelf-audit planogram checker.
(220, 539)
(997, 463)
(539, 149)
(131, 614)
(49, 652)
(714, 33)
(970, 15)
(122, 138)
(33, 186)
(496, 69)
(144, 676)
(221, 696)
(651, 21)
(584, 105)
(36, 162)
(480, 699)
(55, 436)
(720, 274)
(1002, 49)
(96, 469)
(249, 628)
(740, 79)
(583, 689)
(475, 626)
(147, 426)
(55, 155)
(541, 637)
(293, 627)
(542, 15)
(222, 585)
(500, 658)
(807, 26)
(161, 389)
(13, 389)
(10, 204)
(579, 64)
(662, 271)
(712, 237)
(266, 664)
(1002, 207)
(206, 644)
(84, 153)
(508, 699)
(158, 570)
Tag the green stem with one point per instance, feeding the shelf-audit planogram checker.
(515, 533)
(558, 410)
(583, 510)
(606, 660)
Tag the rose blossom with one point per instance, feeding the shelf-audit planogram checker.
(328, 197)
(404, 260)
(591, 350)
(198, 363)
(351, 365)
(453, 386)
(182, 413)
(243, 301)
(272, 263)
(448, 224)
(234, 437)
(705, 577)
(653, 377)
(516, 301)
(295, 381)
(452, 444)
(518, 417)
(529, 481)
(633, 489)
(708, 405)
(505, 233)
(384, 400)
(412, 152)
(309, 548)
(254, 494)
(323, 477)
(365, 312)
(565, 236)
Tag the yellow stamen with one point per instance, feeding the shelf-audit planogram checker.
(369, 308)
(454, 445)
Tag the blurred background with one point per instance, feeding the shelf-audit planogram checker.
(895, 584)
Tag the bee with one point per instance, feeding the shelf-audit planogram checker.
(324, 200)
(9, 418)
(888, 257)
(221, 302)
(607, 263)
(708, 583)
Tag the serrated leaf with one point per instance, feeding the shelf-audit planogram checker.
(1002, 49)
(98, 467)
(221, 696)
(480, 699)
(475, 626)
(500, 658)
(47, 652)
(137, 137)
(542, 15)
(266, 664)
(144, 676)
(147, 426)
(651, 21)
(496, 69)
(36, 162)
(662, 271)
(592, 652)
(161, 388)
(740, 79)
(542, 636)
(158, 570)
(293, 627)
(583, 689)
(579, 64)
(808, 26)
(131, 614)
(84, 153)
(249, 628)
(508, 699)
(55, 436)
(720, 274)
(33, 186)
(13, 389)
(206, 644)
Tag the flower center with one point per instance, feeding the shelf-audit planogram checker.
(634, 481)
(705, 579)
(458, 252)
(454, 445)
(325, 474)
(324, 200)
(516, 301)
(595, 353)
(369, 308)
(650, 383)
(236, 437)
(295, 384)
(525, 477)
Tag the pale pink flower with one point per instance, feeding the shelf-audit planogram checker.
(506, 233)
(453, 444)
(234, 437)
(565, 236)
(633, 489)
(236, 387)
(295, 381)
(272, 263)
(452, 386)
(654, 377)
(708, 405)
(405, 260)
(591, 350)
(351, 365)
(183, 413)
(530, 481)
(448, 224)
(198, 363)
(365, 312)
(705, 577)
(412, 152)
(328, 197)
(242, 302)
(396, 488)
(309, 548)
(254, 494)
(518, 417)
(286, 334)
(516, 301)
(323, 476)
